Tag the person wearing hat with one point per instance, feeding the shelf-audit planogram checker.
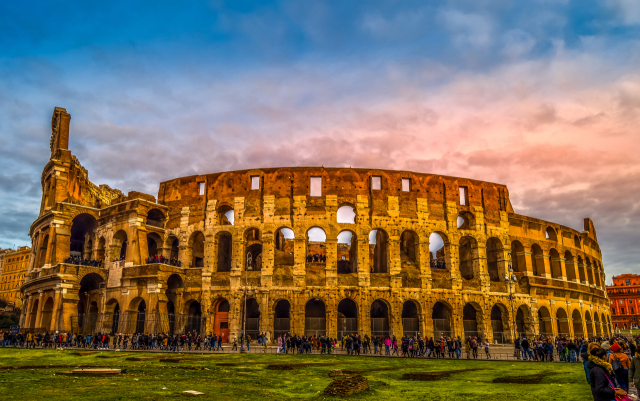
(622, 373)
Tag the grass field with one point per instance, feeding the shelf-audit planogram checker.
(236, 376)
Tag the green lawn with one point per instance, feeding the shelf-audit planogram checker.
(252, 378)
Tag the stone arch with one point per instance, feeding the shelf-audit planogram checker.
(468, 257)
(156, 218)
(315, 318)
(119, 245)
(251, 317)
(439, 251)
(172, 243)
(589, 324)
(90, 282)
(570, 267)
(224, 241)
(518, 262)
(112, 315)
(195, 246)
(524, 321)
(537, 260)
(550, 234)
(562, 322)
(346, 214)
(193, 314)
(596, 267)
(598, 323)
(379, 316)
(495, 259)
(379, 253)
(82, 228)
(252, 249)
(554, 261)
(154, 245)
(472, 320)
(44, 245)
(226, 214)
(409, 246)
(589, 269)
(100, 250)
(46, 314)
(581, 270)
(282, 318)
(347, 317)
(347, 252)
(221, 309)
(33, 314)
(545, 326)
(576, 242)
(500, 323)
(411, 318)
(442, 318)
(466, 221)
(576, 318)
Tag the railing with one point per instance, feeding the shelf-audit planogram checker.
(347, 326)
(315, 326)
(379, 327)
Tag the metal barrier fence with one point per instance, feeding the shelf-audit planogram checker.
(379, 327)
(137, 322)
(315, 326)
(347, 326)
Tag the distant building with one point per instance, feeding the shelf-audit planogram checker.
(2, 254)
(16, 264)
(625, 301)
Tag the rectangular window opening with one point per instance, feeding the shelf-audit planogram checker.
(255, 182)
(376, 183)
(464, 196)
(201, 188)
(406, 185)
(315, 188)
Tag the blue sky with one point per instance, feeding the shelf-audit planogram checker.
(542, 96)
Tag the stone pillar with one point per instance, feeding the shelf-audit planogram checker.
(424, 260)
(528, 263)
(184, 255)
(299, 261)
(57, 305)
(481, 268)
(40, 306)
(364, 267)
(546, 265)
(268, 261)
(563, 268)
(452, 260)
(581, 268)
(331, 267)
(395, 264)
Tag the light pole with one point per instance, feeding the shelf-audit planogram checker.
(244, 310)
(511, 279)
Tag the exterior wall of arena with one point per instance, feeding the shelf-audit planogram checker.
(308, 251)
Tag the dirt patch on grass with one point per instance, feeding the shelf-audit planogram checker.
(433, 376)
(141, 358)
(360, 371)
(112, 356)
(347, 386)
(84, 353)
(294, 366)
(530, 379)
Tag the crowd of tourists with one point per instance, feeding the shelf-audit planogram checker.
(611, 365)
(162, 259)
(77, 260)
(316, 258)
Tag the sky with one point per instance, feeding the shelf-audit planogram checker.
(543, 96)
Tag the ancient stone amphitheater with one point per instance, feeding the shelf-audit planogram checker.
(304, 250)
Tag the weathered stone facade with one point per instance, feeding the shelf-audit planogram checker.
(386, 280)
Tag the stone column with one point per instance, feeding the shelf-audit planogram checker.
(57, 305)
(299, 261)
(39, 311)
(331, 267)
(563, 268)
(364, 267)
(424, 260)
(546, 265)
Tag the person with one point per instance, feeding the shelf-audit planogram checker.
(601, 377)
(620, 363)
(486, 349)
(585, 359)
(516, 345)
(634, 369)
(235, 343)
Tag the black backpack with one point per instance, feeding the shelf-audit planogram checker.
(616, 365)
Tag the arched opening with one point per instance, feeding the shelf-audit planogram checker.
(409, 246)
(537, 260)
(316, 245)
(596, 267)
(468, 251)
(47, 311)
(589, 268)
(554, 261)
(112, 316)
(497, 324)
(518, 263)
(347, 318)
(410, 319)
(141, 317)
(284, 240)
(221, 319)
(346, 215)
(282, 318)
(577, 242)
(82, 228)
(598, 325)
(44, 244)
(81, 314)
(252, 321)
(589, 323)
(194, 317)
(155, 218)
(347, 253)
(100, 251)
(570, 267)
(494, 259)
(197, 249)
(562, 321)
(523, 322)
(551, 235)
(466, 221)
(379, 251)
(171, 316)
(544, 322)
(577, 324)
(119, 245)
(173, 244)
(253, 249)
(225, 251)
(583, 275)
(379, 318)
(441, 316)
(33, 314)
(173, 293)
(154, 245)
(226, 215)
(472, 320)
(438, 247)
(315, 323)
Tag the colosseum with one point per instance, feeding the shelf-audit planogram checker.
(304, 250)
